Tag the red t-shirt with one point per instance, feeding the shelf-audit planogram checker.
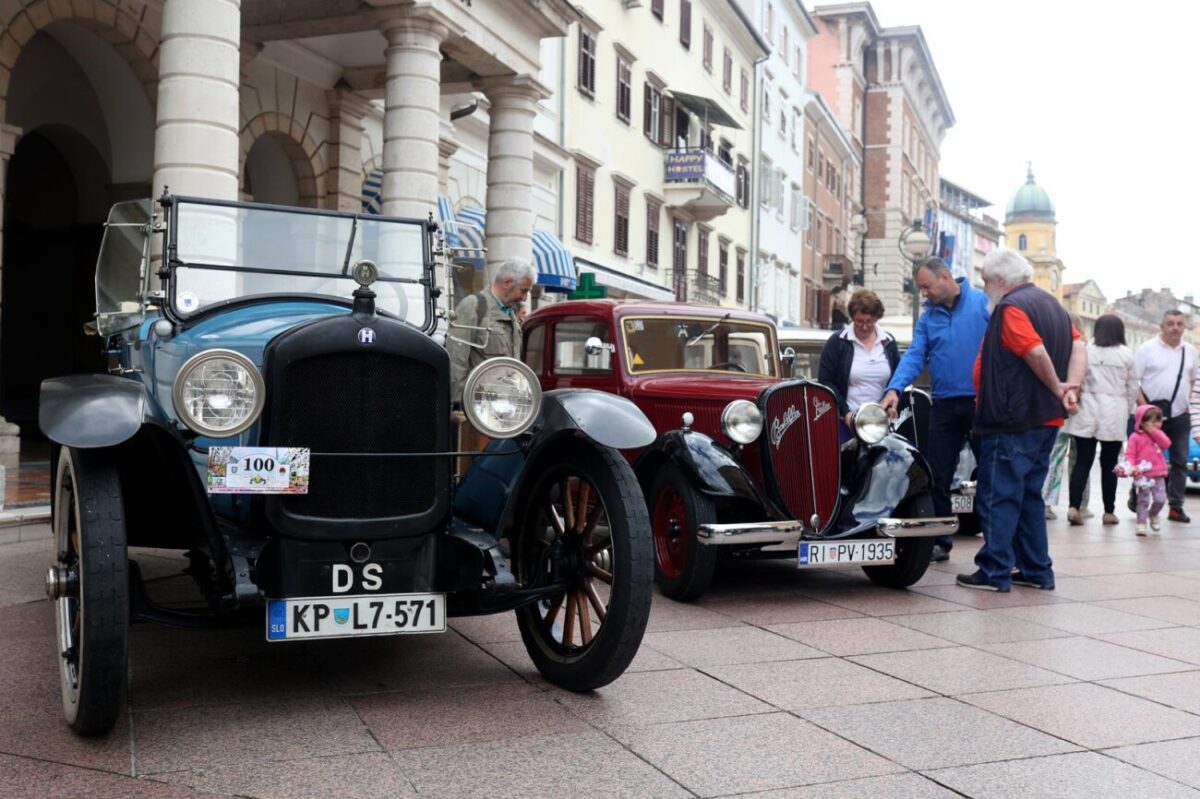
(1018, 337)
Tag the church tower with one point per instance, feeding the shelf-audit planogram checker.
(1029, 226)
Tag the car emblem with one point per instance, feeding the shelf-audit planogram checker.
(341, 615)
(780, 426)
(820, 408)
(366, 336)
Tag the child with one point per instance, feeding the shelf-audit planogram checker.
(1146, 464)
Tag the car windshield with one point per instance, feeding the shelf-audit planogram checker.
(230, 251)
(701, 343)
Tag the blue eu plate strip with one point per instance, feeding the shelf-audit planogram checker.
(276, 620)
(803, 554)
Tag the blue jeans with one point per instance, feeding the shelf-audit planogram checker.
(1012, 468)
(950, 422)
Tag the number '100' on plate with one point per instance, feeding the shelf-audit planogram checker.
(258, 470)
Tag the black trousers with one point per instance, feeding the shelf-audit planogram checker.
(950, 422)
(1085, 456)
(1179, 430)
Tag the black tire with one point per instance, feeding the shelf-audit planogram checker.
(912, 554)
(968, 524)
(613, 532)
(683, 567)
(92, 615)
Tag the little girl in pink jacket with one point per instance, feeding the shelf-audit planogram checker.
(1144, 462)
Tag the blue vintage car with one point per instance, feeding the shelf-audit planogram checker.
(1194, 463)
(277, 406)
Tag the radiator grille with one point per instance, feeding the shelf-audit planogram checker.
(800, 450)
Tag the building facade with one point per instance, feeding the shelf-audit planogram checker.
(959, 223)
(1086, 303)
(1029, 228)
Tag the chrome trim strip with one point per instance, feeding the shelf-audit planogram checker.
(917, 528)
(750, 533)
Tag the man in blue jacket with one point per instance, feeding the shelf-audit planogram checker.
(947, 338)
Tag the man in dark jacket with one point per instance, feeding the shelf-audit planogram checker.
(946, 340)
(1028, 374)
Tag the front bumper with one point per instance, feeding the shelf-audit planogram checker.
(785, 535)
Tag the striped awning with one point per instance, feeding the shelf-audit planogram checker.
(372, 192)
(553, 262)
(464, 233)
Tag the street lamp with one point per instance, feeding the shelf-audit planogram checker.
(914, 244)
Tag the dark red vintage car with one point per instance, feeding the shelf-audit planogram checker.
(746, 462)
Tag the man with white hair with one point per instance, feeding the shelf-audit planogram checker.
(1027, 378)
(486, 324)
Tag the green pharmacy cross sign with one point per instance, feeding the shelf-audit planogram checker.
(587, 288)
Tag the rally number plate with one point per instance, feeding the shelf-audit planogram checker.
(962, 503)
(846, 553)
(348, 616)
(258, 470)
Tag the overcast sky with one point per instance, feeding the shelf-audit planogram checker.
(1098, 99)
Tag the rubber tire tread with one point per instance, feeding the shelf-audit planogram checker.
(614, 648)
(104, 592)
(912, 554)
(697, 574)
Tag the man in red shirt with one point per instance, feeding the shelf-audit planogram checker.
(1027, 378)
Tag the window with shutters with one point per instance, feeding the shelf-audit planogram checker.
(656, 8)
(780, 185)
(585, 186)
(624, 89)
(745, 90)
(810, 157)
(795, 129)
(653, 212)
(783, 42)
(743, 183)
(820, 233)
(741, 276)
(652, 112)
(783, 121)
(767, 174)
(621, 221)
(587, 62)
(725, 153)
(708, 48)
(702, 251)
(679, 259)
(797, 207)
(685, 23)
(806, 223)
(727, 71)
(769, 33)
(798, 65)
(766, 102)
(723, 269)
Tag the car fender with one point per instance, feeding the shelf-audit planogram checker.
(607, 419)
(91, 411)
(712, 469)
(886, 475)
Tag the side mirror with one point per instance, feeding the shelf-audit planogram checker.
(594, 346)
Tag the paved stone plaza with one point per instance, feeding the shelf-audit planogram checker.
(777, 684)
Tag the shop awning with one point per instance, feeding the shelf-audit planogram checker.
(464, 232)
(551, 259)
(372, 192)
(705, 109)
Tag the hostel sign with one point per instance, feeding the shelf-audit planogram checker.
(685, 165)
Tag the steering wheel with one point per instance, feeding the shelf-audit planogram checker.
(729, 365)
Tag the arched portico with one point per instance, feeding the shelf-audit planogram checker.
(269, 140)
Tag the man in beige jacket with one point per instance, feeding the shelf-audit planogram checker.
(486, 324)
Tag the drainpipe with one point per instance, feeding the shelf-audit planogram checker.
(756, 128)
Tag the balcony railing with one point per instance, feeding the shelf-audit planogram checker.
(697, 287)
(697, 165)
(836, 267)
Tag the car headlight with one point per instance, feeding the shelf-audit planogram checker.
(742, 421)
(501, 397)
(218, 393)
(871, 423)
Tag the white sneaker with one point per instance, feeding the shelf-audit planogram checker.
(1141, 530)
(1155, 524)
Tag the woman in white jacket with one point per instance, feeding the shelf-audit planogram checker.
(1109, 395)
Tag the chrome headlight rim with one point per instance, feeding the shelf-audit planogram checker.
(871, 423)
(198, 427)
(477, 375)
(749, 415)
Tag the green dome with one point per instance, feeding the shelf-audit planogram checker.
(1031, 200)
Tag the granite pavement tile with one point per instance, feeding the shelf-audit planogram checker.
(765, 610)
(516, 657)
(1180, 643)
(452, 716)
(1087, 658)
(23, 571)
(755, 754)
(548, 767)
(1093, 589)
(32, 724)
(959, 670)
(1084, 774)
(27, 778)
(1092, 716)
(1172, 609)
(667, 614)
(1153, 583)
(935, 733)
(194, 738)
(893, 786)
(1178, 760)
(657, 697)
(872, 601)
(1181, 689)
(977, 626)
(705, 648)
(1082, 618)
(159, 683)
(858, 636)
(986, 600)
(372, 775)
(492, 628)
(795, 685)
(1090, 567)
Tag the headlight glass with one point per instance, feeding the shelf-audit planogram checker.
(502, 397)
(871, 423)
(742, 421)
(219, 393)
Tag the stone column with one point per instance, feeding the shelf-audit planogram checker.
(412, 110)
(196, 140)
(10, 442)
(510, 167)
(344, 177)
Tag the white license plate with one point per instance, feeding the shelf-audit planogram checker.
(962, 503)
(258, 470)
(846, 553)
(348, 616)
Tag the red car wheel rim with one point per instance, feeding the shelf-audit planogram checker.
(670, 532)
